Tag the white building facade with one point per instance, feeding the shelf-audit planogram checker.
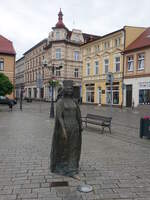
(137, 71)
(140, 90)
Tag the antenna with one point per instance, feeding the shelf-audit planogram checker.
(73, 23)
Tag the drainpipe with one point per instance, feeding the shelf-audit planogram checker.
(123, 68)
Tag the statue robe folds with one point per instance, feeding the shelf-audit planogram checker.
(65, 155)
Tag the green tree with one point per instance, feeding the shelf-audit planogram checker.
(6, 86)
(54, 83)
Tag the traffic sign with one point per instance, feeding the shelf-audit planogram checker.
(109, 77)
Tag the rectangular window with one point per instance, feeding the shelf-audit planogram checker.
(32, 76)
(88, 69)
(141, 61)
(106, 45)
(57, 35)
(58, 73)
(76, 55)
(1, 64)
(96, 67)
(39, 60)
(144, 96)
(88, 51)
(43, 74)
(130, 63)
(117, 42)
(115, 96)
(97, 48)
(58, 53)
(106, 65)
(76, 73)
(117, 64)
(36, 61)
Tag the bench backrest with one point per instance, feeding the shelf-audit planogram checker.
(99, 117)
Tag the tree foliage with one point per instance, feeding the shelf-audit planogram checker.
(54, 83)
(6, 86)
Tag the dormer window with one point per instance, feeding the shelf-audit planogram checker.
(57, 35)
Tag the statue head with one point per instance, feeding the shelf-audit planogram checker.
(68, 88)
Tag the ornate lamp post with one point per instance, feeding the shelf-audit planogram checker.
(52, 84)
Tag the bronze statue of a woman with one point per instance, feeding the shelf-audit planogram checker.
(66, 143)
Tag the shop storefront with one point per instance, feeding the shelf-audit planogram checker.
(115, 94)
(140, 91)
(144, 92)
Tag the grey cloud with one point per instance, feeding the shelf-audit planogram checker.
(26, 22)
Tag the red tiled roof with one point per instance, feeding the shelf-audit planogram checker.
(6, 46)
(142, 41)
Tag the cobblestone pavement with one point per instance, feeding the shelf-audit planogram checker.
(116, 165)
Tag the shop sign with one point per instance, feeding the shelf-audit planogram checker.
(144, 85)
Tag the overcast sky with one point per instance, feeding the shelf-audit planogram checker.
(26, 22)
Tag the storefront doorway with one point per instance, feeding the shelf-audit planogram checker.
(90, 93)
(35, 92)
(114, 99)
(99, 92)
(128, 95)
(29, 92)
(42, 93)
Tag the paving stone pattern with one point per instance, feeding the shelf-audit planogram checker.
(116, 165)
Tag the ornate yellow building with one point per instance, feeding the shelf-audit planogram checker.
(101, 56)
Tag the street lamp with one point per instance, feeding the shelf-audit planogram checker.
(110, 80)
(21, 98)
(52, 67)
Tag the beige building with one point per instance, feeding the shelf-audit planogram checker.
(137, 71)
(62, 48)
(7, 60)
(33, 67)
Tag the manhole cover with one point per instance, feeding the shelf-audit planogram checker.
(85, 188)
(59, 184)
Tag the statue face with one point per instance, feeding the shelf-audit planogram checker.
(68, 91)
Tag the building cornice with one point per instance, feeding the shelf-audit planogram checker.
(20, 59)
(102, 37)
(62, 41)
(35, 46)
(136, 76)
(136, 49)
(7, 54)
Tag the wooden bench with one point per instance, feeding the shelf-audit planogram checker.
(99, 120)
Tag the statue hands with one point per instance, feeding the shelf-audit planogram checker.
(64, 136)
